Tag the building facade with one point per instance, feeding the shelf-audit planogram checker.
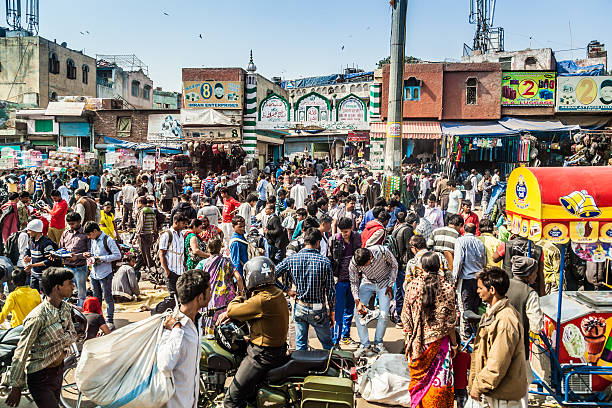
(35, 71)
(166, 99)
(124, 77)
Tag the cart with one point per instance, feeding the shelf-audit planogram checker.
(569, 205)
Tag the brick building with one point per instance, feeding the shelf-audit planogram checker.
(125, 124)
(471, 91)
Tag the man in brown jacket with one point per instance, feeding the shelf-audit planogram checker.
(498, 369)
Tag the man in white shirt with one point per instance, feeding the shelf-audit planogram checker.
(210, 211)
(299, 193)
(470, 194)
(129, 194)
(247, 209)
(454, 200)
(433, 213)
(172, 252)
(180, 347)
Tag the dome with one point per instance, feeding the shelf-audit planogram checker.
(251, 67)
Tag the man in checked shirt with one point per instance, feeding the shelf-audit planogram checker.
(314, 283)
(372, 270)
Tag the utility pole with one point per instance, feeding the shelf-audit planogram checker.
(393, 143)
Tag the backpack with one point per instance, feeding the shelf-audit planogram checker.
(74, 184)
(252, 250)
(391, 244)
(114, 264)
(209, 188)
(156, 257)
(11, 250)
(467, 184)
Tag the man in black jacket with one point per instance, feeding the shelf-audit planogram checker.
(342, 247)
(184, 207)
(276, 235)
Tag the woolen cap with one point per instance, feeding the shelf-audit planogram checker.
(35, 225)
(523, 266)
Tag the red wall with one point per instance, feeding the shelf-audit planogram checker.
(488, 95)
(213, 74)
(430, 105)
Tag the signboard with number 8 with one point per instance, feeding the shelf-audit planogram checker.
(206, 90)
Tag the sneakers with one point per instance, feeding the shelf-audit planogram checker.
(399, 325)
(111, 326)
(371, 315)
(347, 341)
(380, 349)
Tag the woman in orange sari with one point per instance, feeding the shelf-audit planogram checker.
(429, 317)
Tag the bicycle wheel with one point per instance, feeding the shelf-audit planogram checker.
(71, 396)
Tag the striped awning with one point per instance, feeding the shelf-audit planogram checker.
(413, 129)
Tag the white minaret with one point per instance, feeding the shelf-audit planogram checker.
(249, 137)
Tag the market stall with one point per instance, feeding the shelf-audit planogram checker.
(570, 205)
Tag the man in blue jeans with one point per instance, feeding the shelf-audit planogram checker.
(342, 247)
(372, 271)
(103, 250)
(76, 242)
(314, 282)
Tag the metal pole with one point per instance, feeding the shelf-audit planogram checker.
(393, 143)
(557, 378)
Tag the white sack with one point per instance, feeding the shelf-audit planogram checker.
(387, 381)
(120, 369)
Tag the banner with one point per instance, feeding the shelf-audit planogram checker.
(274, 109)
(351, 109)
(164, 129)
(358, 136)
(584, 94)
(525, 88)
(212, 94)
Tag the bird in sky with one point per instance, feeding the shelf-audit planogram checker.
(342, 48)
(201, 36)
(166, 14)
(87, 32)
(82, 33)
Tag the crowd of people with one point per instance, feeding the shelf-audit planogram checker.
(425, 259)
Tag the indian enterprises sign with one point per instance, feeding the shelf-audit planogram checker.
(212, 95)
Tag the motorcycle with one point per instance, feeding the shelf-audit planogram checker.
(309, 378)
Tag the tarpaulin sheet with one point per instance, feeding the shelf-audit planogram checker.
(146, 147)
(311, 81)
(358, 74)
(523, 125)
(476, 129)
(570, 68)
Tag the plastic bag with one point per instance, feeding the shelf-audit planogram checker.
(472, 403)
(387, 381)
(120, 369)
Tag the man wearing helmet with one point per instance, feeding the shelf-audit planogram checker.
(268, 316)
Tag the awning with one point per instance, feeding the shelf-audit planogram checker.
(65, 109)
(205, 117)
(421, 129)
(476, 129)
(524, 125)
(414, 129)
(81, 129)
(124, 144)
(269, 139)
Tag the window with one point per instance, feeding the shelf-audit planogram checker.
(506, 63)
(135, 88)
(43, 126)
(124, 127)
(54, 65)
(531, 63)
(412, 89)
(85, 74)
(70, 69)
(471, 91)
(146, 92)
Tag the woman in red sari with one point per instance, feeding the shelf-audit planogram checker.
(429, 317)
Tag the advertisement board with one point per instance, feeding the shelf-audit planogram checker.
(358, 136)
(584, 94)
(212, 95)
(164, 128)
(528, 88)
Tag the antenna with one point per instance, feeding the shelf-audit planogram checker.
(13, 14)
(32, 16)
(571, 38)
(487, 38)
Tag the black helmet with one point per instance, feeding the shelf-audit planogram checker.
(231, 335)
(259, 271)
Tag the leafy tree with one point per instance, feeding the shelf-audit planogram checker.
(408, 59)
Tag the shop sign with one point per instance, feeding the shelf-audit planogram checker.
(584, 232)
(605, 232)
(274, 109)
(584, 94)
(527, 88)
(312, 108)
(351, 109)
(164, 128)
(358, 136)
(394, 129)
(218, 133)
(212, 94)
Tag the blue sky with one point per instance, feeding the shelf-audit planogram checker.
(294, 39)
